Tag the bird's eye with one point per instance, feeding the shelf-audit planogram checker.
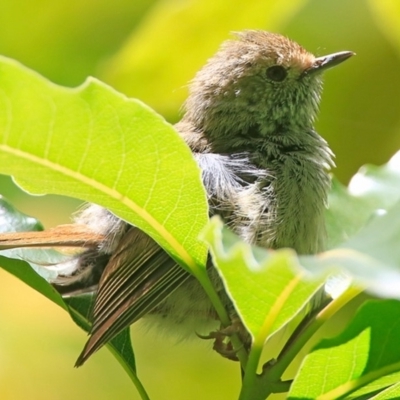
(276, 73)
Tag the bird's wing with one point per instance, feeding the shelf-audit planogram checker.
(137, 278)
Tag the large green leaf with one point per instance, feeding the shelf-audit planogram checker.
(268, 288)
(378, 185)
(372, 191)
(391, 393)
(97, 145)
(364, 223)
(372, 257)
(363, 359)
(346, 214)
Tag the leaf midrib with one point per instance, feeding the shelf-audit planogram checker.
(113, 193)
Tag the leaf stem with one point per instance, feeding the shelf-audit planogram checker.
(202, 276)
(129, 369)
(131, 373)
(290, 352)
(250, 375)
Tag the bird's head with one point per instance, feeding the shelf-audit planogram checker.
(256, 85)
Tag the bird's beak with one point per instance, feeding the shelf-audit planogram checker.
(323, 63)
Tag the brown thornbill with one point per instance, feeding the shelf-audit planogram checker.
(249, 121)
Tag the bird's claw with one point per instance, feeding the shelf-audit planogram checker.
(222, 345)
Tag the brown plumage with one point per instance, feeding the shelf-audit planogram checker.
(249, 123)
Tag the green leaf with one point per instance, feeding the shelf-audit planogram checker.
(97, 145)
(268, 288)
(391, 393)
(346, 214)
(13, 261)
(12, 220)
(364, 224)
(379, 186)
(372, 190)
(26, 273)
(372, 257)
(80, 308)
(22, 263)
(363, 359)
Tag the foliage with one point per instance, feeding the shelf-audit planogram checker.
(149, 49)
(271, 291)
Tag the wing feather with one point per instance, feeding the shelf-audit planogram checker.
(137, 279)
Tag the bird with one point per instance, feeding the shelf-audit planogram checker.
(249, 122)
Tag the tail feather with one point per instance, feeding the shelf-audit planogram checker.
(72, 235)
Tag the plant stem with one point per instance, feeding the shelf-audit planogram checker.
(132, 375)
(208, 287)
(250, 374)
(290, 352)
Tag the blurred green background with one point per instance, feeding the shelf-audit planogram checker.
(149, 49)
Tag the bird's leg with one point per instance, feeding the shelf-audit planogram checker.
(222, 344)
